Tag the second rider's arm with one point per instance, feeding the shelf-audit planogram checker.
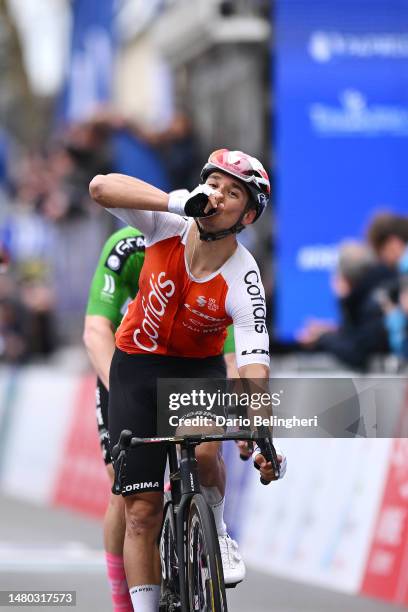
(99, 340)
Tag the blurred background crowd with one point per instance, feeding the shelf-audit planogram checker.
(153, 97)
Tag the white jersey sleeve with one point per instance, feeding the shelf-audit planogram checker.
(246, 305)
(155, 226)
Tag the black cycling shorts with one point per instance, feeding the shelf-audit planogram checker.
(102, 400)
(132, 405)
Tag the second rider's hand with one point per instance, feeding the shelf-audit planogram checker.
(244, 450)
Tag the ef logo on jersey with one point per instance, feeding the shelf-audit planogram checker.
(122, 250)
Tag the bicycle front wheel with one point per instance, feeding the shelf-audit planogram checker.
(204, 566)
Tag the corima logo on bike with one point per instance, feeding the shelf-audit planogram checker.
(136, 486)
(254, 291)
(122, 250)
(154, 309)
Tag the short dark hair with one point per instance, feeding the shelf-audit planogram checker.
(384, 226)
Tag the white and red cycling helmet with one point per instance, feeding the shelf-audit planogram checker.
(245, 168)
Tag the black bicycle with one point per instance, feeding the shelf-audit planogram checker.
(192, 574)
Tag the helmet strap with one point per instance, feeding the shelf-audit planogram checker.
(234, 229)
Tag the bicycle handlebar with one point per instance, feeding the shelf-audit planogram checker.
(193, 438)
(128, 441)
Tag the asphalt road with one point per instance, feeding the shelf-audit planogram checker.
(58, 550)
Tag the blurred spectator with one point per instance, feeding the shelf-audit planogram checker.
(361, 332)
(26, 319)
(388, 236)
(4, 258)
(53, 236)
(396, 318)
(38, 301)
(26, 233)
(3, 157)
(175, 145)
(13, 346)
(83, 152)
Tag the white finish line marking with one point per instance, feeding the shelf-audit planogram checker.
(69, 557)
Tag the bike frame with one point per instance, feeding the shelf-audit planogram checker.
(184, 478)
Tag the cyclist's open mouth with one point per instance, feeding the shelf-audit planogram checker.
(211, 217)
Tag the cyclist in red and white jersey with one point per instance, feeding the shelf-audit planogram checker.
(196, 280)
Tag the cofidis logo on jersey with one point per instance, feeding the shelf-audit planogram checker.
(154, 310)
(254, 290)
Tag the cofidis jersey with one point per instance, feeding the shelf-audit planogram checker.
(177, 314)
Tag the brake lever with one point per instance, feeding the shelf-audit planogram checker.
(119, 460)
(119, 467)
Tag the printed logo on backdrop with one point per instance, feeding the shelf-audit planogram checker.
(317, 257)
(325, 46)
(354, 115)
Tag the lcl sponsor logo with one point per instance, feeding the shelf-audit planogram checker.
(203, 315)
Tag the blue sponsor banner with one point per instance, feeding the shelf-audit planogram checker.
(341, 82)
(89, 84)
(91, 60)
(133, 157)
(3, 156)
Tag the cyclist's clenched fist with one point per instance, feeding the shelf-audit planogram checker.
(264, 467)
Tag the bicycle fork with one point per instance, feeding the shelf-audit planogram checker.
(190, 485)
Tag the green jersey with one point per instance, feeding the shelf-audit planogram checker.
(229, 344)
(116, 279)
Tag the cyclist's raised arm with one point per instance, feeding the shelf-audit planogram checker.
(138, 204)
(133, 201)
(130, 196)
(121, 191)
